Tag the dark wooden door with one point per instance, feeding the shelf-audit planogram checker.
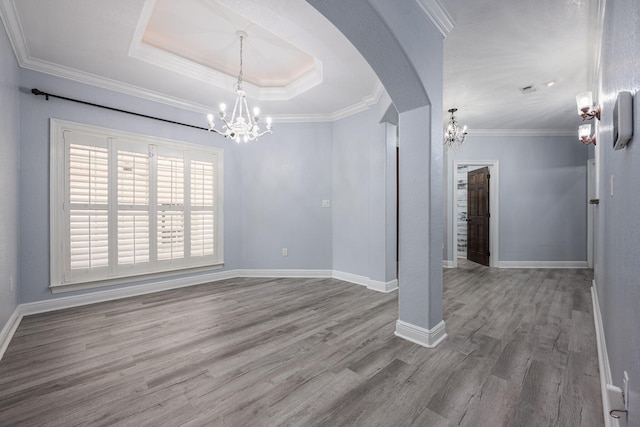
(478, 216)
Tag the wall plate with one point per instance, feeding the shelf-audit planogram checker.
(622, 120)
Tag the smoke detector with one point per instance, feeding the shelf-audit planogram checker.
(528, 89)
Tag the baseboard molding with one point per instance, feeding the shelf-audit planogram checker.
(374, 285)
(603, 359)
(425, 337)
(114, 294)
(96, 297)
(9, 329)
(447, 264)
(283, 273)
(543, 264)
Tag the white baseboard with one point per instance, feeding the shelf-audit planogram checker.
(283, 273)
(9, 329)
(543, 264)
(374, 285)
(131, 291)
(447, 263)
(163, 285)
(603, 359)
(425, 337)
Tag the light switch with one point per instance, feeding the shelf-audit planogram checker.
(326, 203)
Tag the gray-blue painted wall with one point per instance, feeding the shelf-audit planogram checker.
(542, 195)
(273, 187)
(618, 235)
(9, 159)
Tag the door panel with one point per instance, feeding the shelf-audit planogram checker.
(478, 216)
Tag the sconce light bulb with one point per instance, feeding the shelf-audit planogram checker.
(210, 117)
(223, 107)
(256, 111)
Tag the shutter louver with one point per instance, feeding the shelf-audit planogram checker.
(170, 208)
(202, 204)
(133, 207)
(88, 182)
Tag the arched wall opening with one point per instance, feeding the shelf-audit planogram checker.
(405, 49)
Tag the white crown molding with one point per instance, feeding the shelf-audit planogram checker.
(425, 337)
(438, 15)
(594, 38)
(9, 17)
(523, 132)
(543, 264)
(185, 67)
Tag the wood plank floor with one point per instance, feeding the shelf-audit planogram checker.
(521, 351)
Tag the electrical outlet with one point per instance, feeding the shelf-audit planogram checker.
(285, 252)
(326, 203)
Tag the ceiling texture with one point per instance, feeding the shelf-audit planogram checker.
(299, 68)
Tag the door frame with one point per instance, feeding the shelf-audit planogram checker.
(494, 208)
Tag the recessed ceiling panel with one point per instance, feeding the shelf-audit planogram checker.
(204, 32)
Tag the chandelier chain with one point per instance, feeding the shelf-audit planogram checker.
(240, 75)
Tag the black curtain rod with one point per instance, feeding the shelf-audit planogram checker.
(48, 95)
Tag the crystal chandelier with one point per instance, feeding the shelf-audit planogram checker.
(242, 127)
(453, 135)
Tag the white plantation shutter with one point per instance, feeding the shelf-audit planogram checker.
(87, 209)
(202, 207)
(130, 205)
(171, 221)
(133, 207)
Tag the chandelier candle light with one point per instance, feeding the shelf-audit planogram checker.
(453, 135)
(243, 127)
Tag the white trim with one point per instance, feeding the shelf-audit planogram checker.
(175, 283)
(283, 273)
(6, 334)
(374, 285)
(494, 207)
(603, 359)
(438, 15)
(61, 303)
(425, 337)
(523, 132)
(591, 224)
(130, 291)
(543, 264)
(169, 61)
(447, 264)
(9, 17)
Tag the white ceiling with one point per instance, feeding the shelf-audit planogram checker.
(298, 67)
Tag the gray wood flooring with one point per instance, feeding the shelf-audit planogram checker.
(521, 351)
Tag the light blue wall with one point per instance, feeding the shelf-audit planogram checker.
(9, 159)
(285, 177)
(618, 236)
(360, 195)
(542, 195)
(273, 187)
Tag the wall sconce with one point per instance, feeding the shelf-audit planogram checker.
(584, 134)
(586, 109)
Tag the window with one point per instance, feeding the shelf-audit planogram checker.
(124, 205)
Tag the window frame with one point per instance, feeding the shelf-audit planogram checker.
(60, 280)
